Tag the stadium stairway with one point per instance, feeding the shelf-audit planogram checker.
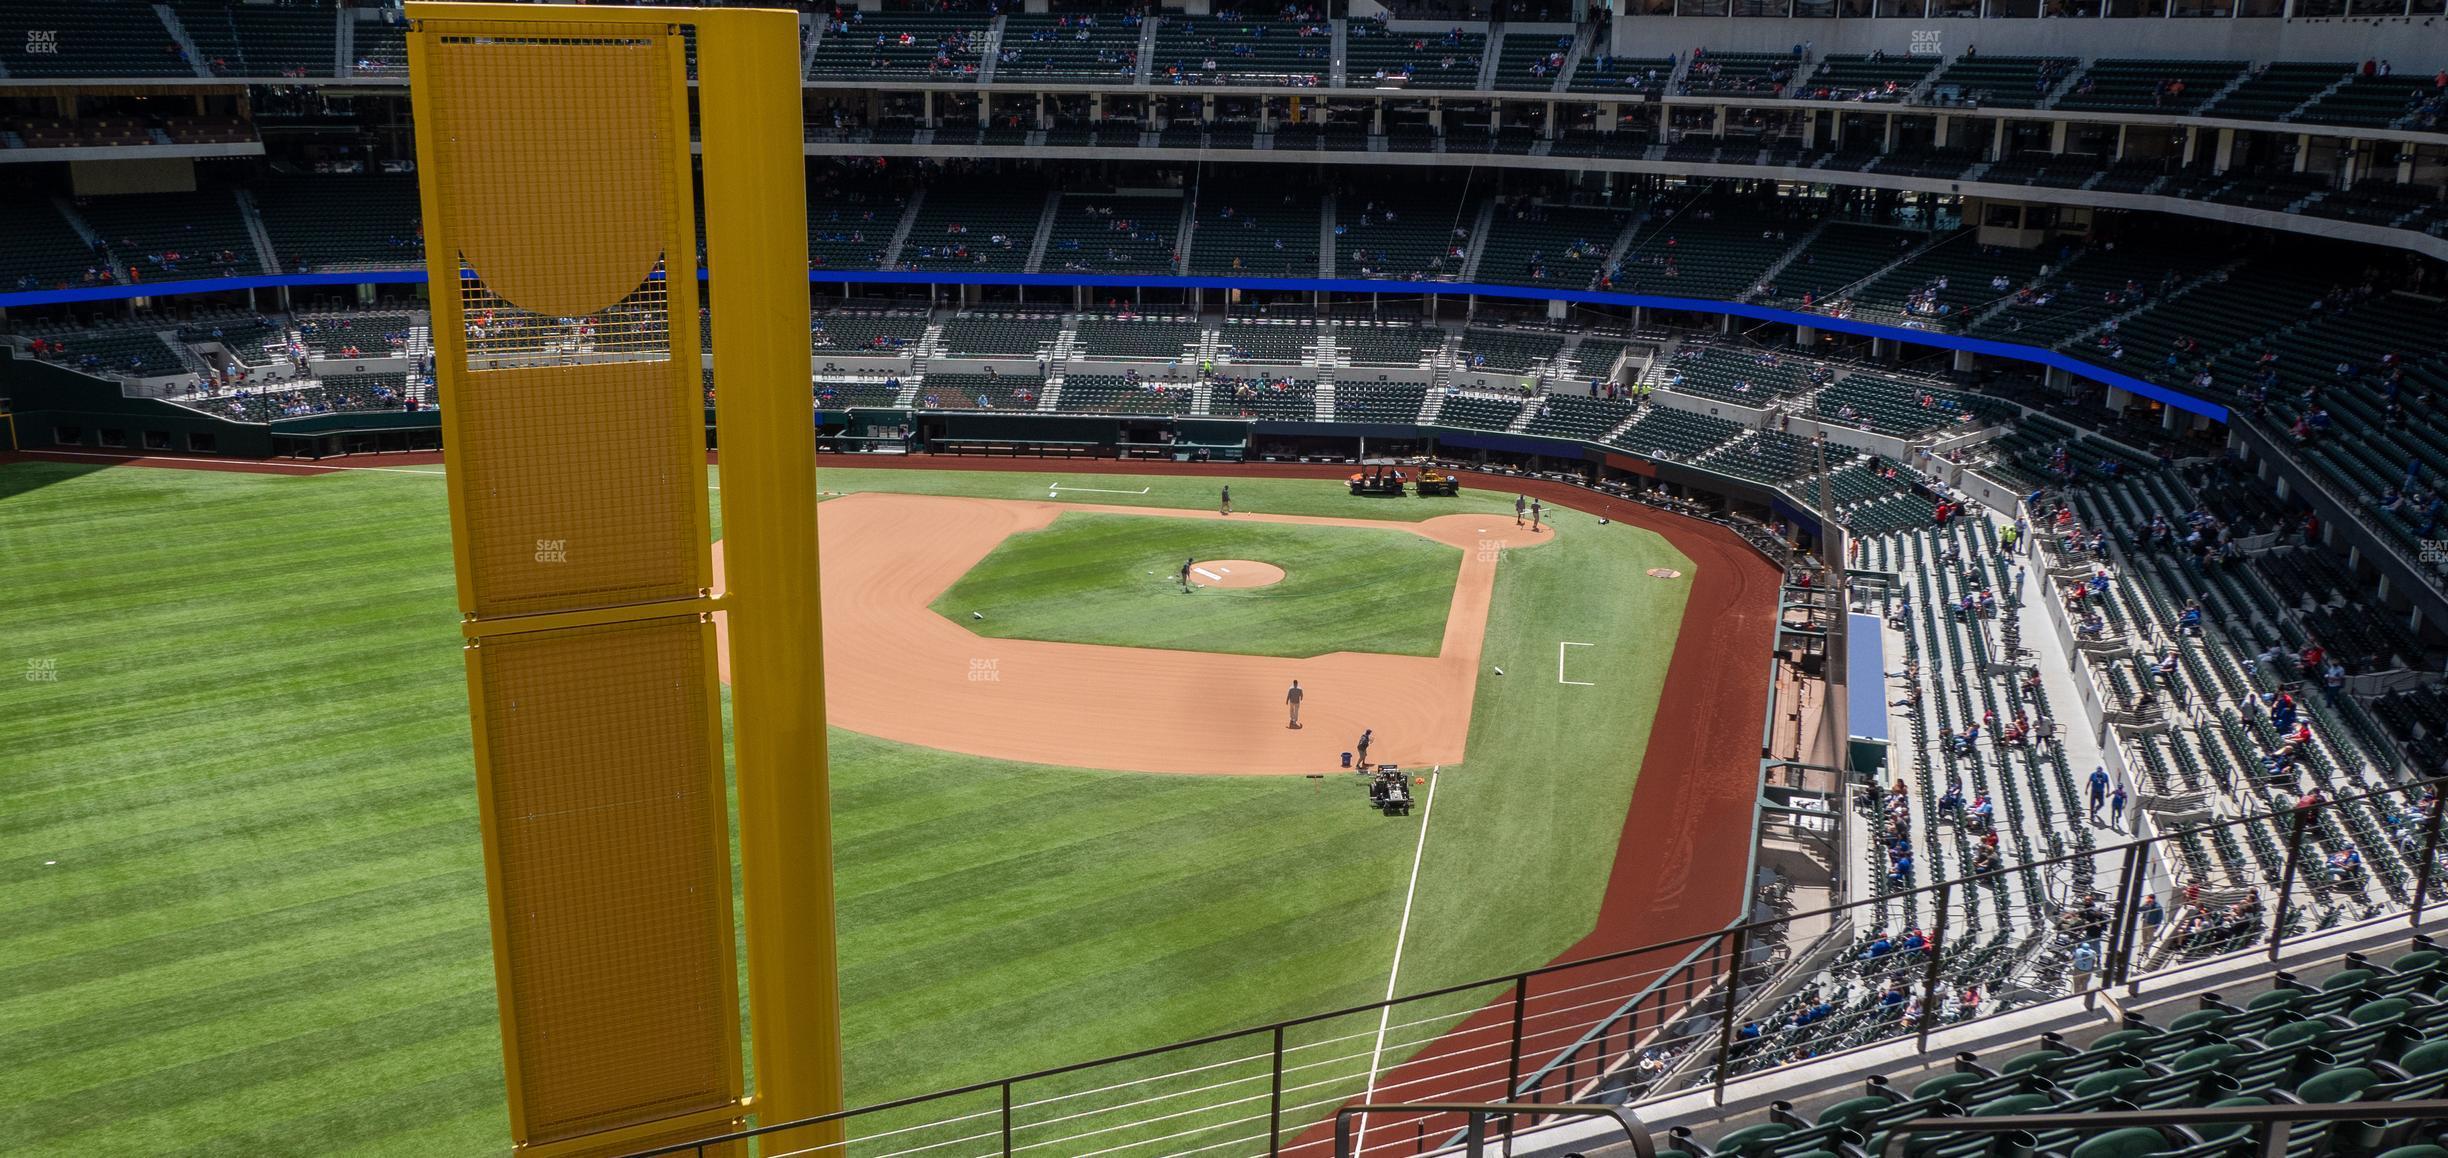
(988, 53)
(1185, 229)
(1768, 276)
(253, 217)
(178, 35)
(1056, 358)
(901, 230)
(1480, 227)
(1045, 221)
(1326, 237)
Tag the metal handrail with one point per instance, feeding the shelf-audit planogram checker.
(1474, 1139)
(2274, 1121)
(1942, 890)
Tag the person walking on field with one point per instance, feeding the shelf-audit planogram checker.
(1534, 516)
(1185, 575)
(1292, 700)
(1226, 506)
(1519, 504)
(1365, 734)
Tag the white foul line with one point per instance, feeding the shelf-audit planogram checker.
(1560, 666)
(1056, 488)
(1401, 932)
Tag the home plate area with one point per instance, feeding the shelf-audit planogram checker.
(1232, 573)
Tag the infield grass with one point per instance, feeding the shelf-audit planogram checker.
(1114, 579)
(241, 898)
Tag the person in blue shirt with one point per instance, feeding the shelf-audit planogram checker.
(2099, 790)
(2116, 808)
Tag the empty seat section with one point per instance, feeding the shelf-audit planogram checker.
(1237, 49)
(1391, 402)
(88, 38)
(2020, 82)
(905, 45)
(1277, 238)
(1531, 60)
(999, 335)
(1565, 245)
(1107, 232)
(1375, 55)
(1265, 396)
(1069, 46)
(169, 236)
(973, 228)
(1411, 236)
(342, 222)
(1394, 344)
(1872, 77)
(1115, 394)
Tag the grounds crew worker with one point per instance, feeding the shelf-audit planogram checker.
(1292, 699)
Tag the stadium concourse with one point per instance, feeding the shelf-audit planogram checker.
(2068, 388)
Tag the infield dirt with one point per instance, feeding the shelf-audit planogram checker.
(896, 669)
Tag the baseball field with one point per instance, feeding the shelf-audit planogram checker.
(244, 909)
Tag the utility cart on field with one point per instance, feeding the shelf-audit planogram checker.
(1378, 479)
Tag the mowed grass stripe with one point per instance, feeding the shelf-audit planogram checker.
(1113, 579)
(417, 1118)
(196, 892)
(268, 1083)
(371, 991)
(81, 1017)
(210, 910)
(235, 1090)
(259, 936)
(1076, 890)
(353, 961)
(383, 730)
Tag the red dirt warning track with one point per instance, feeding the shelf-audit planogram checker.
(896, 669)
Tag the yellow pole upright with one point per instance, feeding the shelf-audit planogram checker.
(756, 247)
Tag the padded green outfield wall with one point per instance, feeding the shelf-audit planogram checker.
(56, 408)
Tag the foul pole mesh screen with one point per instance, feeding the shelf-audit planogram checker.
(554, 153)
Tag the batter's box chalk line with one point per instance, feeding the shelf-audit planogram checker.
(1560, 646)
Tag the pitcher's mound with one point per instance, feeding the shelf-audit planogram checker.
(1234, 573)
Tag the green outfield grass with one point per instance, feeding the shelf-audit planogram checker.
(244, 909)
(1114, 579)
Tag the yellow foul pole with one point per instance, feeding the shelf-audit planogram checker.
(756, 248)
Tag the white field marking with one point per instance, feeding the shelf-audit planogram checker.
(1057, 488)
(1560, 665)
(1208, 573)
(1401, 931)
